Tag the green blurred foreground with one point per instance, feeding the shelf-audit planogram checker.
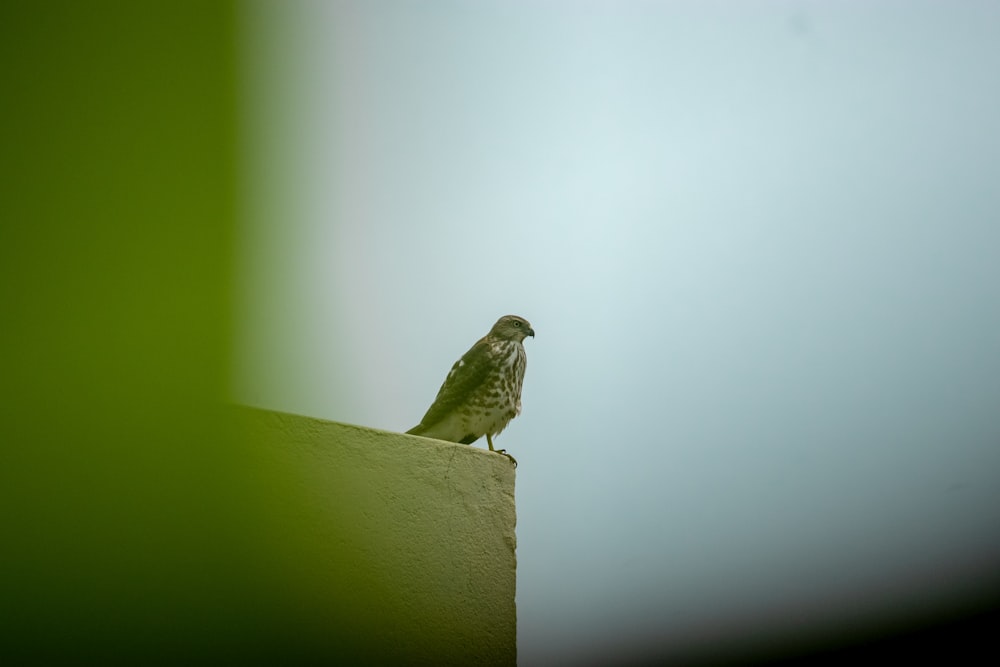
(135, 523)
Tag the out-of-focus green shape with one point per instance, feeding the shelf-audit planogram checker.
(121, 517)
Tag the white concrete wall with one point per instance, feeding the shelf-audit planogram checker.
(398, 548)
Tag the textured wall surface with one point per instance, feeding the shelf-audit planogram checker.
(397, 548)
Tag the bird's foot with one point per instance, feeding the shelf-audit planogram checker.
(503, 452)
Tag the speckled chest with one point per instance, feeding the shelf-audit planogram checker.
(498, 399)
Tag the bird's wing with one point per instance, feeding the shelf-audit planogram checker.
(464, 377)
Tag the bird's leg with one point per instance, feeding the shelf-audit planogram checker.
(489, 441)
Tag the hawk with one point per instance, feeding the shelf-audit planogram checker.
(482, 392)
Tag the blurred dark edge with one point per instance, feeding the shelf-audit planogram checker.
(957, 633)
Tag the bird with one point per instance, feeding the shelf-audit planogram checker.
(482, 391)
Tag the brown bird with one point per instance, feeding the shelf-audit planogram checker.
(482, 392)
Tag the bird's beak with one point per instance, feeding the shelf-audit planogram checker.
(531, 332)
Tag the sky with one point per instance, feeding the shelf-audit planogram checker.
(759, 243)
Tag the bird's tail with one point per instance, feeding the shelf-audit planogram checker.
(417, 430)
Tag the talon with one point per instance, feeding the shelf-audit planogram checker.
(503, 452)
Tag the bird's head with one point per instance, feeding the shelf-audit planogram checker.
(512, 327)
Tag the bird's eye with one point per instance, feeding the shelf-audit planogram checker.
(516, 323)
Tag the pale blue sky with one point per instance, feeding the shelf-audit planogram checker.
(759, 243)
